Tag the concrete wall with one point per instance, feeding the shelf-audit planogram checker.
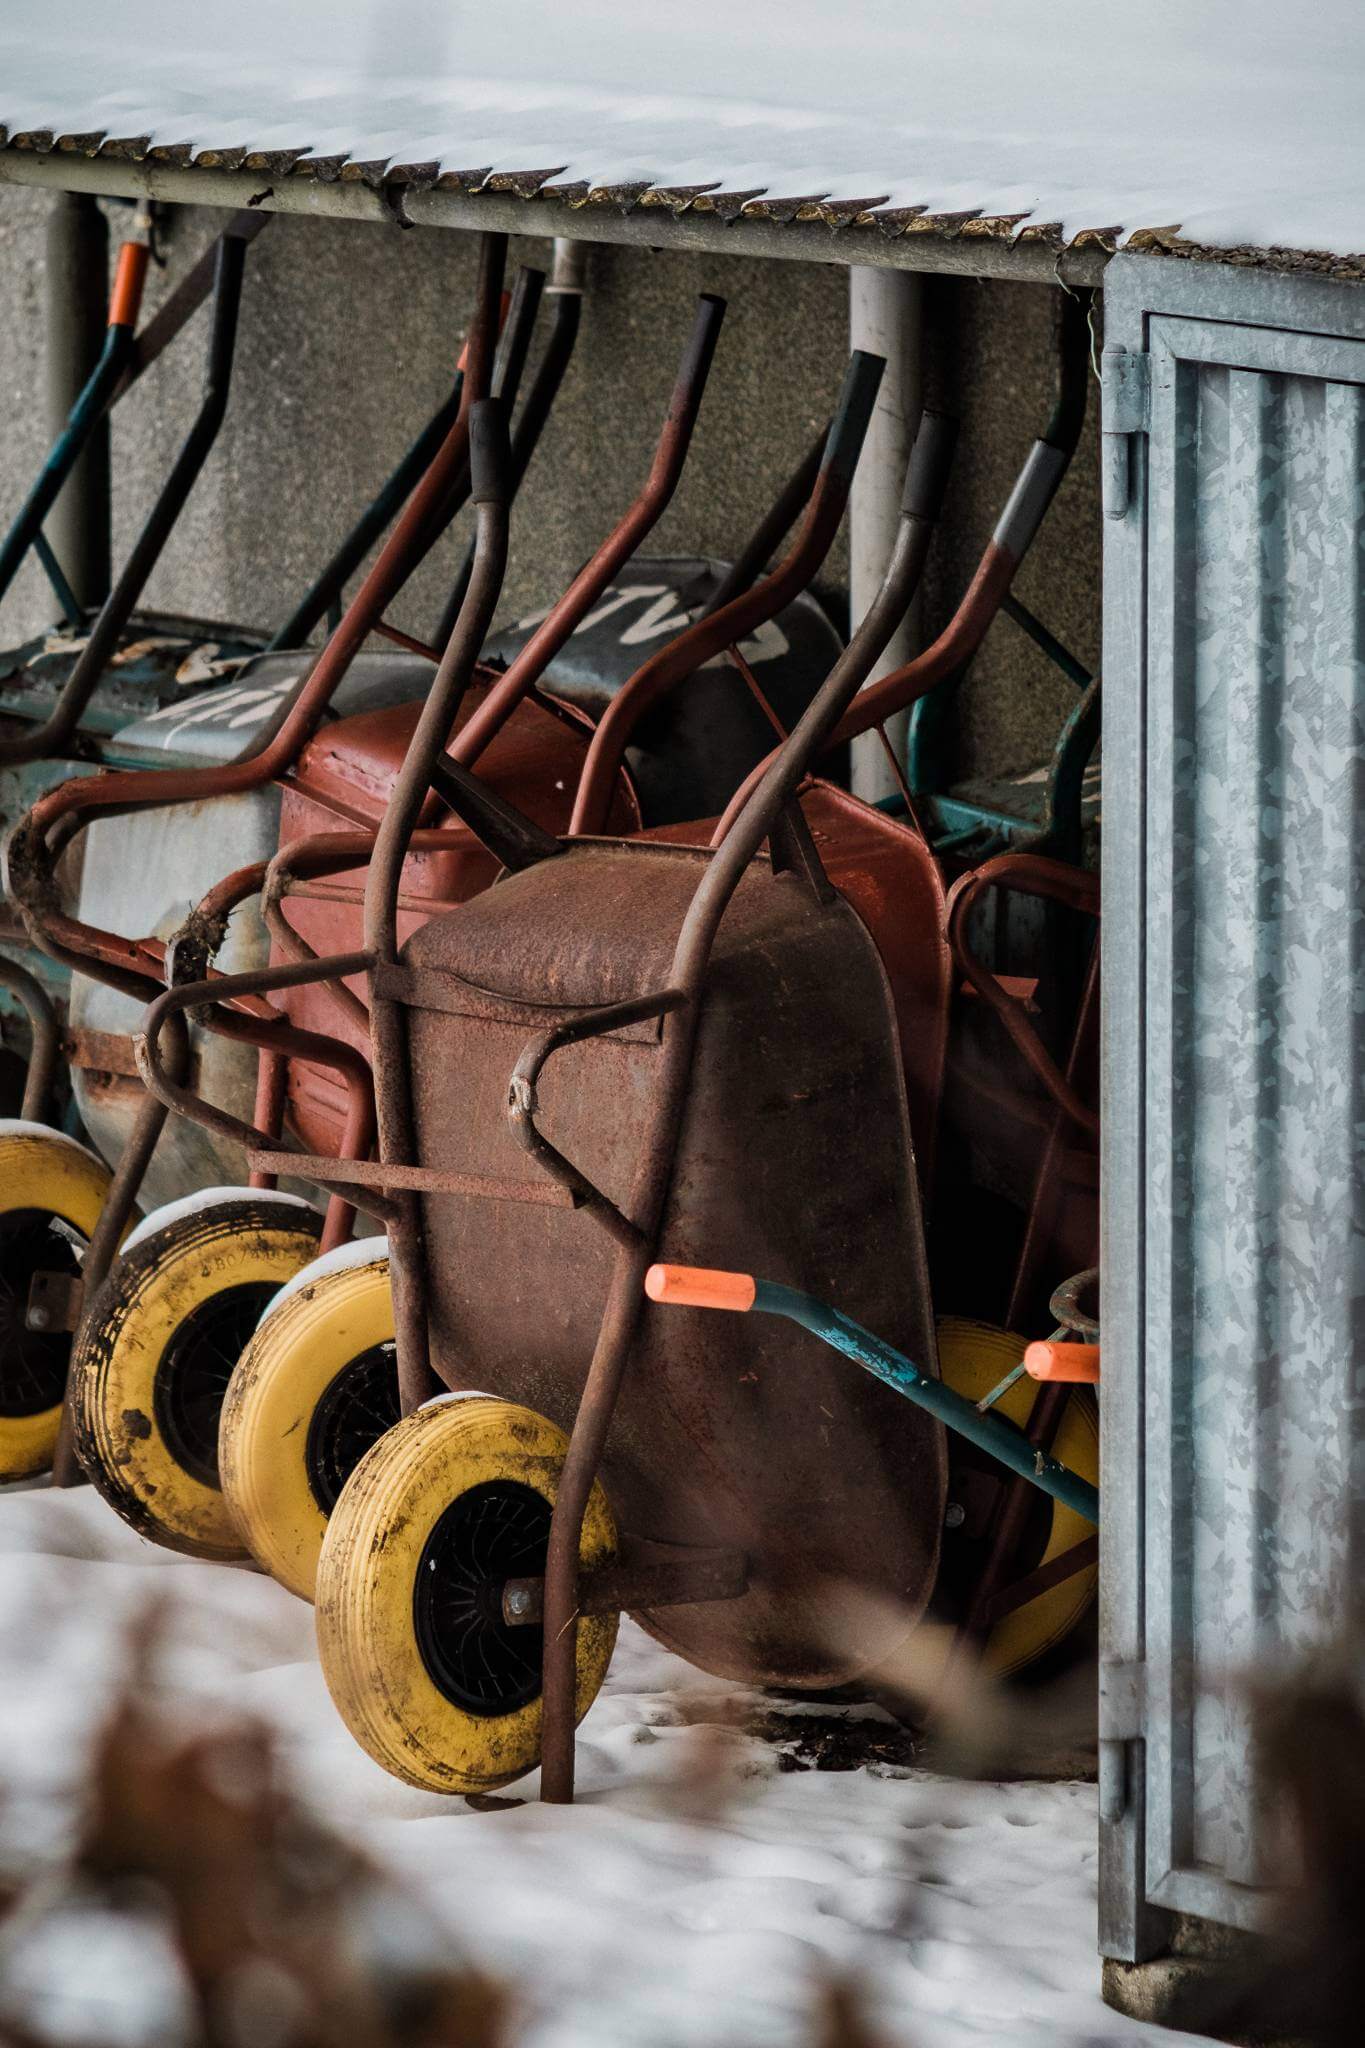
(348, 339)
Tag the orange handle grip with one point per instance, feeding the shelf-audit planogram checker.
(699, 1287)
(1077, 1363)
(129, 272)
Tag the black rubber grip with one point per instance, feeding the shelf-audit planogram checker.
(853, 414)
(490, 458)
(931, 462)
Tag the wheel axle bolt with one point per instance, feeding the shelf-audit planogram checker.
(518, 1601)
(954, 1515)
(39, 1318)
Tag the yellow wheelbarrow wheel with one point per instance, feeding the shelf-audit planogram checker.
(316, 1386)
(428, 1677)
(51, 1192)
(156, 1349)
(973, 1358)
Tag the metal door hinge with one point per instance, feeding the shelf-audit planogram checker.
(1125, 410)
(1123, 1705)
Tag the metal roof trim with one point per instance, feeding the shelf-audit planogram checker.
(43, 155)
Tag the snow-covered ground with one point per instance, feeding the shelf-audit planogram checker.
(693, 1894)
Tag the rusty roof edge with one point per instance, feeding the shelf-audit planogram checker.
(538, 203)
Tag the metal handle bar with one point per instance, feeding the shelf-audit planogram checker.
(90, 406)
(332, 579)
(186, 299)
(775, 783)
(277, 1035)
(526, 427)
(592, 579)
(735, 580)
(735, 620)
(123, 359)
(648, 1195)
(522, 1101)
(31, 856)
(701, 1287)
(1033, 875)
(489, 459)
(957, 643)
(926, 484)
(926, 480)
(57, 729)
(509, 361)
(42, 1018)
(507, 368)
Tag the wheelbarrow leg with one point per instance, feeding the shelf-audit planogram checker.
(272, 1072)
(1044, 1420)
(42, 1023)
(587, 1442)
(115, 1217)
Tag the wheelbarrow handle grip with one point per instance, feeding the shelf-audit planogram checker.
(130, 272)
(853, 414)
(1076, 1365)
(700, 1287)
(490, 454)
(931, 462)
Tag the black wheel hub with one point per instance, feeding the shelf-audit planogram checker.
(492, 1533)
(192, 1377)
(33, 1363)
(354, 1411)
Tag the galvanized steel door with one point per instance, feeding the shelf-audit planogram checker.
(1234, 959)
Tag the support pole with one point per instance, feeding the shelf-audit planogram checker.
(77, 291)
(885, 316)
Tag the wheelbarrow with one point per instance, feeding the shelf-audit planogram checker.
(678, 1027)
(530, 752)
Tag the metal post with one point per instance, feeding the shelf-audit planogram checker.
(77, 293)
(884, 316)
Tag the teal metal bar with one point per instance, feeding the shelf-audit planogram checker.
(84, 417)
(991, 1433)
(56, 576)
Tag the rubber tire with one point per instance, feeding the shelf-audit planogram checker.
(123, 1341)
(51, 1173)
(973, 1358)
(298, 1350)
(365, 1587)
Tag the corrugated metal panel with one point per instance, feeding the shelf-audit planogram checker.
(1236, 1048)
(1050, 120)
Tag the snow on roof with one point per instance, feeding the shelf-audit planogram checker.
(1227, 123)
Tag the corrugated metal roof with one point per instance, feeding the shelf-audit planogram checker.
(1227, 124)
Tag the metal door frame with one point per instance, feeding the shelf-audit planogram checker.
(1156, 310)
